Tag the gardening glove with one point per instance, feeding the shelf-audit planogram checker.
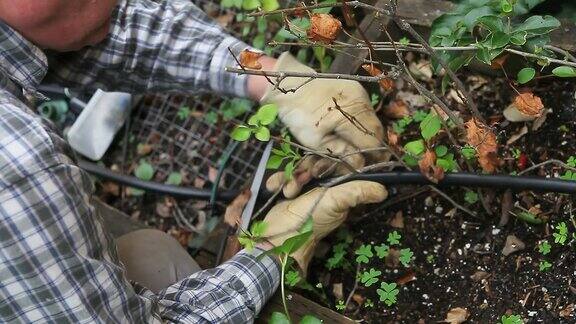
(287, 217)
(312, 117)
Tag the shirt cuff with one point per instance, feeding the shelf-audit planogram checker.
(258, 272)
(223, 82)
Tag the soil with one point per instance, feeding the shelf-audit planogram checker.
(458, 260)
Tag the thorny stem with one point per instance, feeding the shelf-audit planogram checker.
(421, 89)
(315, 75)
(459, 85)
(319, 153)
(536, 166)
(354, 4)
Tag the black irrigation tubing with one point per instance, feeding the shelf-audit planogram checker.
(388, 178)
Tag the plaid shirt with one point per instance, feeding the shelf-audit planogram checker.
(57, 262)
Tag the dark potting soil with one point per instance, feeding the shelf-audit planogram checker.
(458, 260)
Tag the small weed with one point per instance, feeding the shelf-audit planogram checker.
(368, 278)
(364, 253)
(544, 247)
(394, 238)
(430, 258)
(511, 319)
(382, 250)
(292, 278)
(340, 306)
(388, 293)
(406, 256)
(544, 265)
(561, 234)
(183, 113)
(471, 197)
(368, 303)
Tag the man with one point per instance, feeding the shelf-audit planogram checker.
(57, 262)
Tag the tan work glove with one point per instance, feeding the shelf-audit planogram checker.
(312, 118)
(287, 217)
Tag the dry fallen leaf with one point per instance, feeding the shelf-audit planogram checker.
(406, 278)
(457, 315)
(324, 28)
(387, 84)
(392, 137)
(499, 62)
(429, 168)
(233, 213)
(529, 104)
(338, 290)
(567, 311)
(483, 139)
(397, 109)
(249, 59)
(359, 299)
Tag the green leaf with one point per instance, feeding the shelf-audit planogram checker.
(309, 319)
(269, 5)
(241, 133)
(544, 247)
(492, 23)
(247, 242)
(406, 257)
(211, 117)
(499, 39)
(292, 244)
(227, 3)
(175, 178)
(250, 4)
(529, 218)
(298, 26)
(440, 150)
(279, 318)
(289, 170)
(262, 23)
(430, 126)
(468, 152)
(144, 171)
(404, 41)
(526, 75)
(538, 25)
(274, 162)
(506, 6)
(308, 226)
(302, 55)
(394, 238)
(564, 72)
(267, 114)
(447, 162)
(262, 134)
(258, 229)
(368, 278)
(292, 278)
(364, 253)
(259, 41)
(471, 197)
(388, 293)
(415, 148)
(473, 15)
(518, 38)
(543, 266)
(382, 250)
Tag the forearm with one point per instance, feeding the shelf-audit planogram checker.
(156, 46)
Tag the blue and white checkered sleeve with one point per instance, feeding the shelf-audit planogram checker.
(58, 264)
(167, 45)
(234, 292)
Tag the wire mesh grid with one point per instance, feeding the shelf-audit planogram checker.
(194, 144)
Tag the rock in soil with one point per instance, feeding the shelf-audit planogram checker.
(513, 244)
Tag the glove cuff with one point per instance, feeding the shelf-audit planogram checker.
(286, 62)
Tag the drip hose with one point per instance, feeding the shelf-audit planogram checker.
(387, 178)
(151, 186)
